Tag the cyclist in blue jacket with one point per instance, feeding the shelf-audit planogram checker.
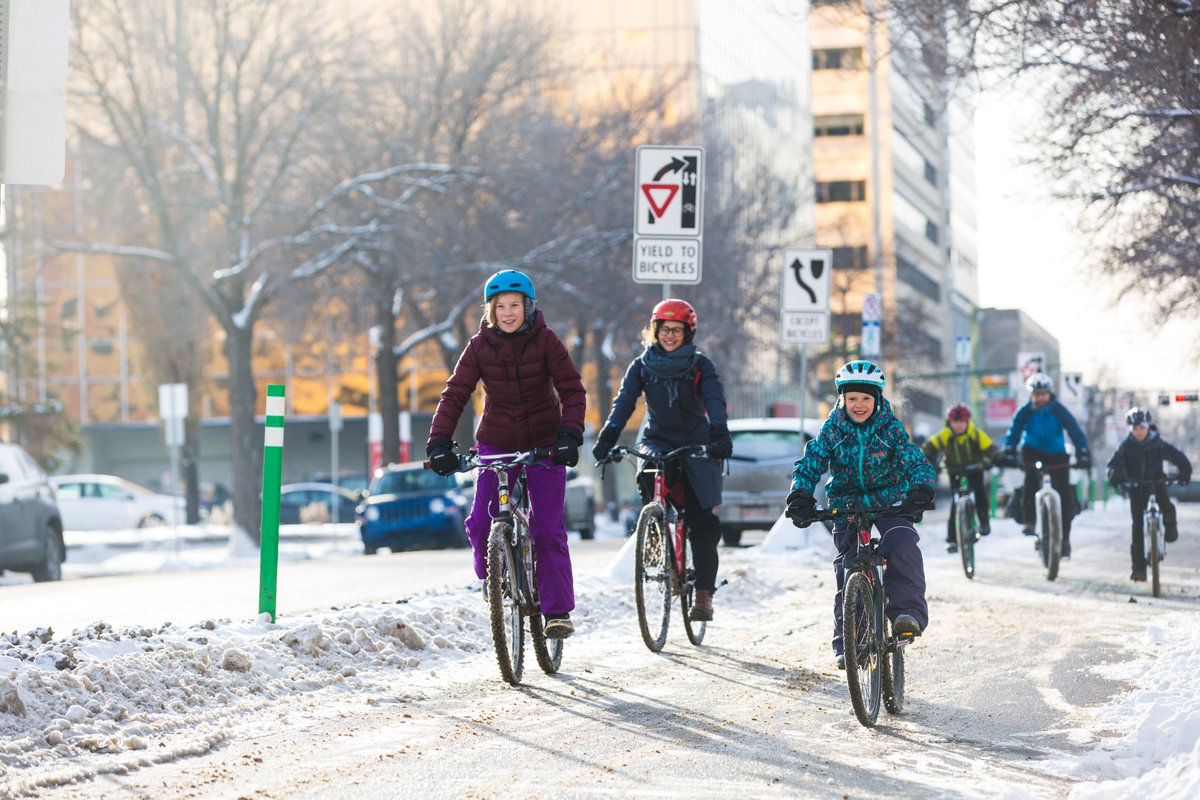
(1038, 428)
(871, 463)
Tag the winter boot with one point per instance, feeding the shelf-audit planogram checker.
(558, 626)
(906, 626)
(841, 661)
(702, 606)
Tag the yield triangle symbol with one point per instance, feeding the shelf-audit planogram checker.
(665, 192)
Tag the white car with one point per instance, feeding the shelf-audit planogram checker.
(106, 502)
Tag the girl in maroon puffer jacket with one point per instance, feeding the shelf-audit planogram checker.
(534, 398)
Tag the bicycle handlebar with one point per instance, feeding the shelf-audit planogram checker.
(620, 451)
(1167, 481)
(471, 460)
(870, 514)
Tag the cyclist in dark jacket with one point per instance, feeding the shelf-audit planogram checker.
(685, 404)
(534, 398)
(1038, 427)
(1140, 458)
(871, 463)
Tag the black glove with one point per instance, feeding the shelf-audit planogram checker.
(1185, 478)
(1083, 459)
(566, 447)
(1009, 459)
(801, 508)
(605, 442)
(918, 500)
(719, 443)
(442, 459)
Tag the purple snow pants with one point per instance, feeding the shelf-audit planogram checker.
(903, 578)
(547, 485)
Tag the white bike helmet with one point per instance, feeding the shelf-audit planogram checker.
(860, 376)
(1039, 382)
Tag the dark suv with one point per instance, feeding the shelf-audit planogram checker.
(31, 537)
(409, 507)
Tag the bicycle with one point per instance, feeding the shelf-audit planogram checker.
(662, 562)
(1048, 510)
(512, 593)
(963, 516)
(874, 653)
(1153, 531)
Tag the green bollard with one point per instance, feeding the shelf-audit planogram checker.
(268, 559)
(995, 488)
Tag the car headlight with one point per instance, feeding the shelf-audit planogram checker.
(437, 505)
(371, 514)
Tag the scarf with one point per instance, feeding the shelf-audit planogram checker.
(671, 370)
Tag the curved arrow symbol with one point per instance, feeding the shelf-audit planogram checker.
(675, 165)
(798, 269)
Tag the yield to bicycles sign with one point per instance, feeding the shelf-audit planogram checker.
(668, 214)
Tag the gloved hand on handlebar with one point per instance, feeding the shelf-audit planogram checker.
(1009, 459)
(918, 500)
(442, 459)
(566, 447)
(1083, 459)
(605, 442)
(719, 443)
(801, 508)
(1185, 477)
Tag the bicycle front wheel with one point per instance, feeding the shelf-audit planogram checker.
(504, 601)
(687, 571)
(965, 530)
(1154, 534)
(652, 579)
(862, 637)
(1050, 512)
(893, 673)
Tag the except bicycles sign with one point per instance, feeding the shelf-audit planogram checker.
(668, 214)
(804, 315)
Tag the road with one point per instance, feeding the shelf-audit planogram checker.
(1001, 686)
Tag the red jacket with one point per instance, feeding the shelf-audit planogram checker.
(531, 388)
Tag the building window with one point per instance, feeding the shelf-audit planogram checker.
(930, 174)
(910, 274)
(931, 231)
(838, 58)
(850, 257)
(838, 125)
(841, 191)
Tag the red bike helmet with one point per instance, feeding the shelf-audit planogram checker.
(958, 413)
(674, 311)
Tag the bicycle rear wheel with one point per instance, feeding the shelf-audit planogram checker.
(504, 600)
(1050, 513)
(964, 525)
(893, 673)
(1153, 533)
(862, 637)
(547, 651)
(652, 576)
(695, 630)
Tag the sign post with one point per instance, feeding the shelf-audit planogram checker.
(173, 410)
(668, 215)
(268, 554)
(335, 429)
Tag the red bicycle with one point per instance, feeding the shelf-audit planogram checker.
(663, 563)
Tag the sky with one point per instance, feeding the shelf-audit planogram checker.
(104, 701)
(1031, 257)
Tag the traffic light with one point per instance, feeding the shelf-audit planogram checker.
(1191, 397)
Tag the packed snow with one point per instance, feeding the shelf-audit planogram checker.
(108, 700)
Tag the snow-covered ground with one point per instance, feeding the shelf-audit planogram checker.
(108, 701)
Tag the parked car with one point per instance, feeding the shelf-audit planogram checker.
(31, 527)
(409, 507)
(312, 502)
(354, 481)
(98, 502)
(579, 505)
(760, 472)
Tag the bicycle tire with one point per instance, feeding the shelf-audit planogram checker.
(548, 652)
(652, 579)
(964, 526)
(861, 639)
(1050, 512)
(695, 629)
(1153, 532)
(893, 673)
(504, 601)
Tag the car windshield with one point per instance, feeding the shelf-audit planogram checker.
(413, 480)
(762, 445)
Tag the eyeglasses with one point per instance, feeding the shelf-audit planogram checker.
(671, 331)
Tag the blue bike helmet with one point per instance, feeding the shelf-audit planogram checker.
(509, 280)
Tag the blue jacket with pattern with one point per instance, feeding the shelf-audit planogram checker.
(870, 465)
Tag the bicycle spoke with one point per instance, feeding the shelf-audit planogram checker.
(653, 584)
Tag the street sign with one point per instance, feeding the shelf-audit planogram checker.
(1029, 364)
(668, 214)
(1072, 394)
(871, 339)
(804, 313)
(999, 411)
(34, 36)
(872, 310)
(962, 351)
(173, 410)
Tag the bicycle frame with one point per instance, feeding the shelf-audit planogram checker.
(1153, 529)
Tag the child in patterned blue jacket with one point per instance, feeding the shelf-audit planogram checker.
(872, 463)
